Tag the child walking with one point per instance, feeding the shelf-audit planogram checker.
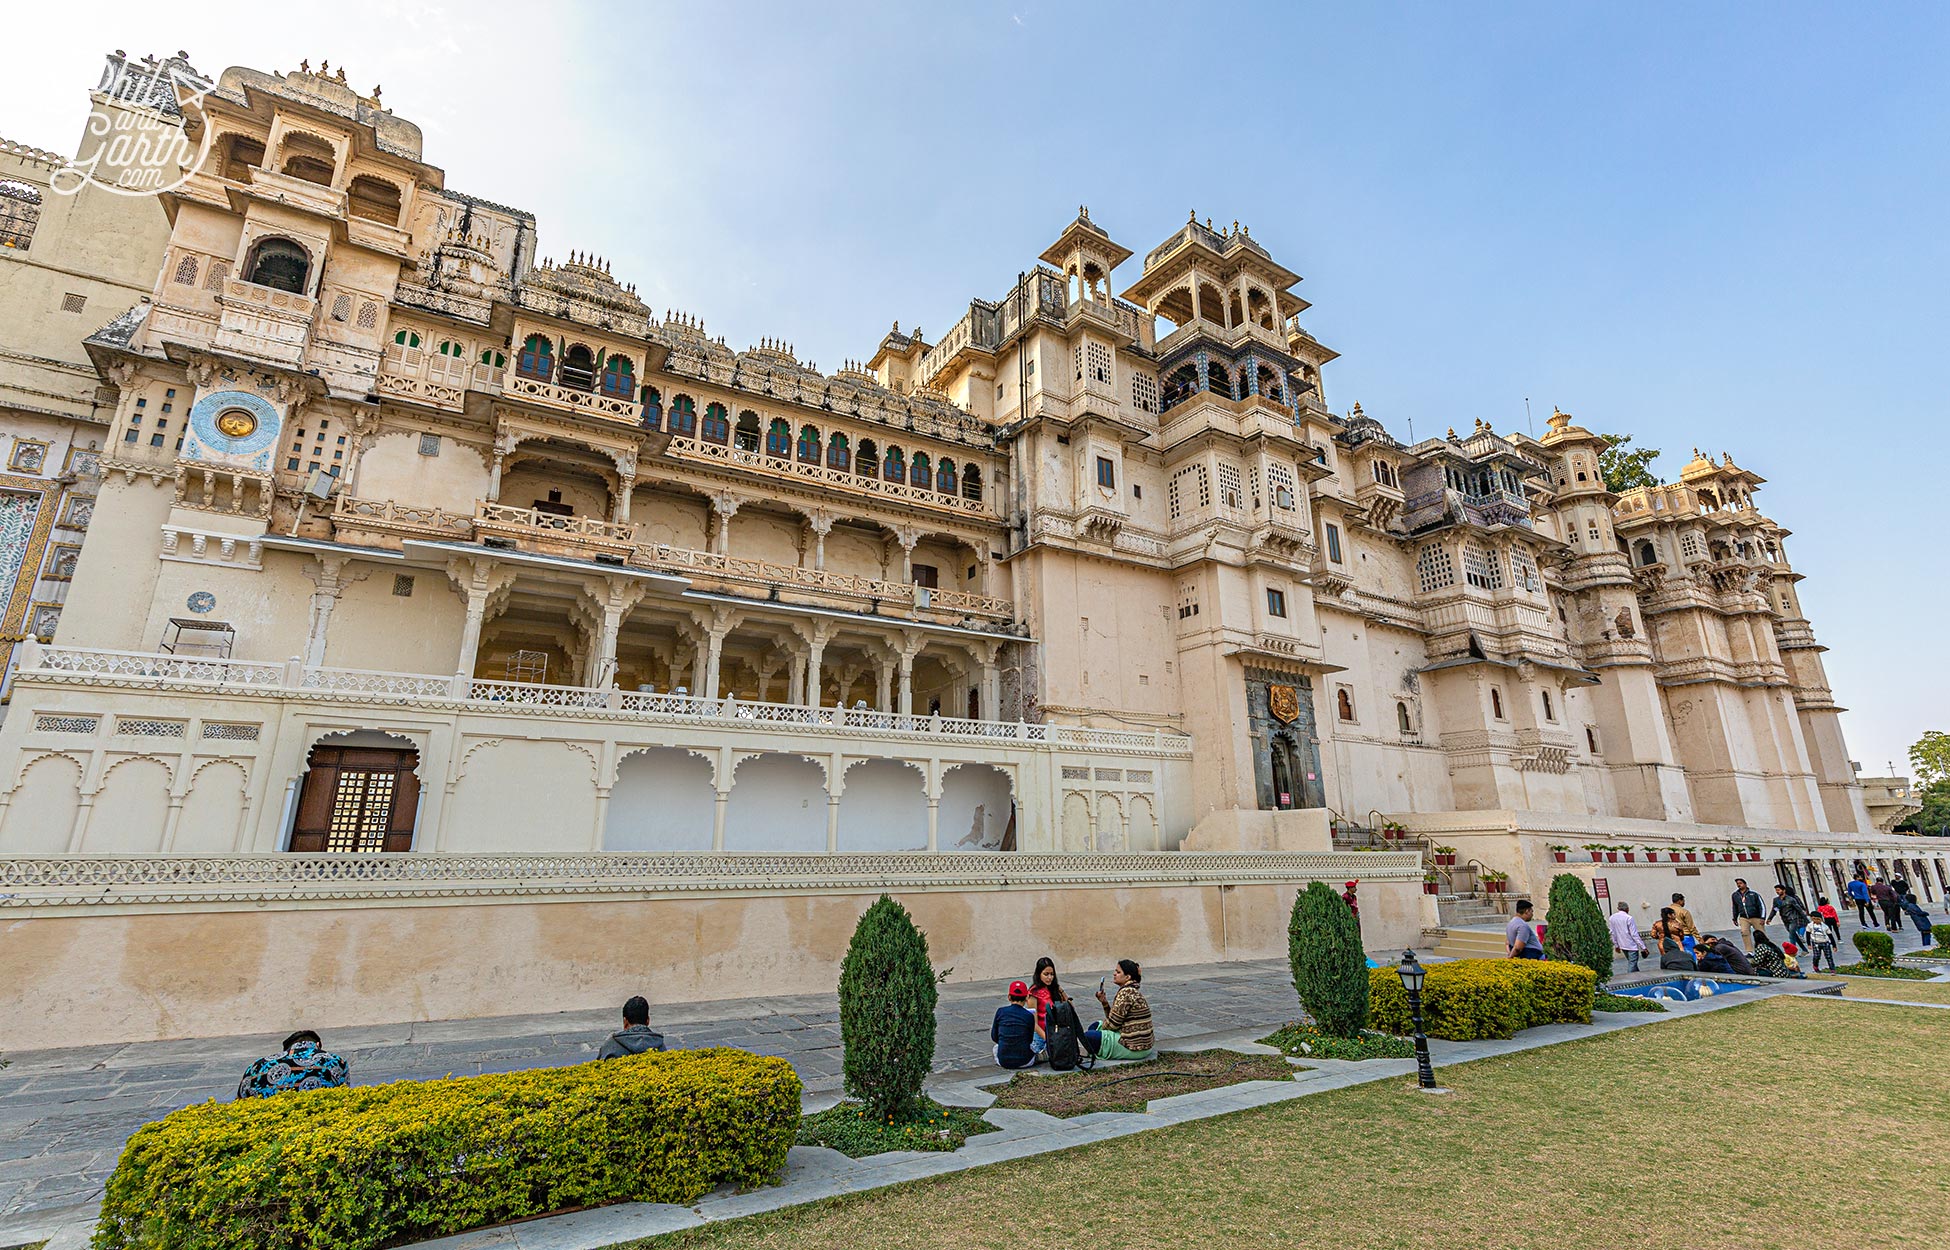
(1821, 942)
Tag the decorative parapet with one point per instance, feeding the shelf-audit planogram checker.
(612, 407)
(76, 666)
(689, 448)
(70, 881)
(387, 517)
(743, 569)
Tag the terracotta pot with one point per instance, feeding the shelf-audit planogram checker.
(1558, 856)
(1630, 856)
(1428, 887)
(1611, 857)
(1709, 857)
(1689, 856)
(1445, 861)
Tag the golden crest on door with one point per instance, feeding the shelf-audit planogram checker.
(1284, 703)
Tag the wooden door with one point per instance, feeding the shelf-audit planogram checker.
(357, 799)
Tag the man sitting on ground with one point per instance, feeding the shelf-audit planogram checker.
(1125, 1031)
(637, 1036)
(303, 1065)
(1017, 1034)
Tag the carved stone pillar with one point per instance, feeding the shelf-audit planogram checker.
(821, 525)
(725, 505)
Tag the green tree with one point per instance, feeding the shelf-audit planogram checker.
(1930, 757)
(887, 999)
(1574, 928)
(1626, 467)
(1330, 970)
(1935, 816)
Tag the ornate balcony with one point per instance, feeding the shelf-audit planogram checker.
(580, 537)
(687, 447)
(263, 321)
(353, 517)
(594, 403)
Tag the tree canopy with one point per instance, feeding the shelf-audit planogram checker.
(1626, 467)
(1930, 757)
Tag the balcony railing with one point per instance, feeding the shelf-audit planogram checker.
(691, 448)
(586, 532)
(615, 408)
(291, 679)
(387, 516)
(851, 585)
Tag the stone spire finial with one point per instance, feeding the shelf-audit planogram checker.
(1083, 212)
(324, 68)
(341, 74)
(1355, 412)
(1452, 433)
(376, 89)
(304, 66)
(1191, 218)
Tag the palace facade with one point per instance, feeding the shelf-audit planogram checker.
(411, 538)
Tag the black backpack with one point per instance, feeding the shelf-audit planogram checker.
(1062, 1036)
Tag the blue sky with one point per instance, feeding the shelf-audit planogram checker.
(1720, 225)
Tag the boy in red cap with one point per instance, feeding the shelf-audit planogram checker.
(1017, 1035)
(1353, 903)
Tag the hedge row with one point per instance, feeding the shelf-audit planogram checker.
(368, 1166)
(1469, 999)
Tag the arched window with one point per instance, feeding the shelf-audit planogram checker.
(944, 477)
(1648, 554)
(747, 436)
(867, 463)
(307, 157)
(619, 377)
(20, 212)
(894, 468)
(919, 475)
(578, 368)
(406, 338)
(808, 445)
(1180, 384)
(186, 272)
(1344, 704)
(1550, 713)
(1496, 703)
(653, 409)
(450, 348)
(838, 454)
(717, 425)
(683, 415)
(778, 437)
(240, 154)
(1401, 719)
(280, 264)
(493, 359)
(374, 199)
(971, 483)
(1218, 379)
(536, 359)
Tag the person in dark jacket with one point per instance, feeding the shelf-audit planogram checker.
(1793, 913)
(1017, 1036)
(636, 1037)
(1919, 918)
(1748, 911)
(1726, 952)
(1892, 907)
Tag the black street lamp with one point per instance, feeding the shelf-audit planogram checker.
(1412, 975)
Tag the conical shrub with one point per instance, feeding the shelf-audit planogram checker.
(1574, 928)
(887, 998)
(1330, 970)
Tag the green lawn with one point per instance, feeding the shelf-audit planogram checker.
(1699, 1128)
(1889, 987)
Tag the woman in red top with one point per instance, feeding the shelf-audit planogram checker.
(1045, 989)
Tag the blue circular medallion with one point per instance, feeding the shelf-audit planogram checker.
(235, 423)
(202, 601)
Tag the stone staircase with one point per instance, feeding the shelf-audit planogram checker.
(1471, 922)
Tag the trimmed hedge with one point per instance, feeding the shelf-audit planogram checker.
(1469, 999)
(887, 999)
(1878, 950)
(1940, 933)
(1574, 928)
(378, 1165)
(1323, 946)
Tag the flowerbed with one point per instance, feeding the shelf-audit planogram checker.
(1625, 1002)
(381, 1165)
(849, 1129)
(1310, 1042)
(1129, 1087)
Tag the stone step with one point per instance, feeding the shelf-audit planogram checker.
(1460, 943)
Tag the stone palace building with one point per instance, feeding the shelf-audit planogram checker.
(412, 538)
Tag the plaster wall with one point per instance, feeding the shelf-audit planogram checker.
(156, 973)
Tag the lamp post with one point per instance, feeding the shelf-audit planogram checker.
(1412, 974)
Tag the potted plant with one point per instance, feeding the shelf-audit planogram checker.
(1689, 852)
(1611, 853)
(1709, 854)
(1594, 849)
(1559, 850)
(1445, 856)
(1393, 830)
(1495, 882)
(1630, 854)
(1430, 883)
(1753, 855)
